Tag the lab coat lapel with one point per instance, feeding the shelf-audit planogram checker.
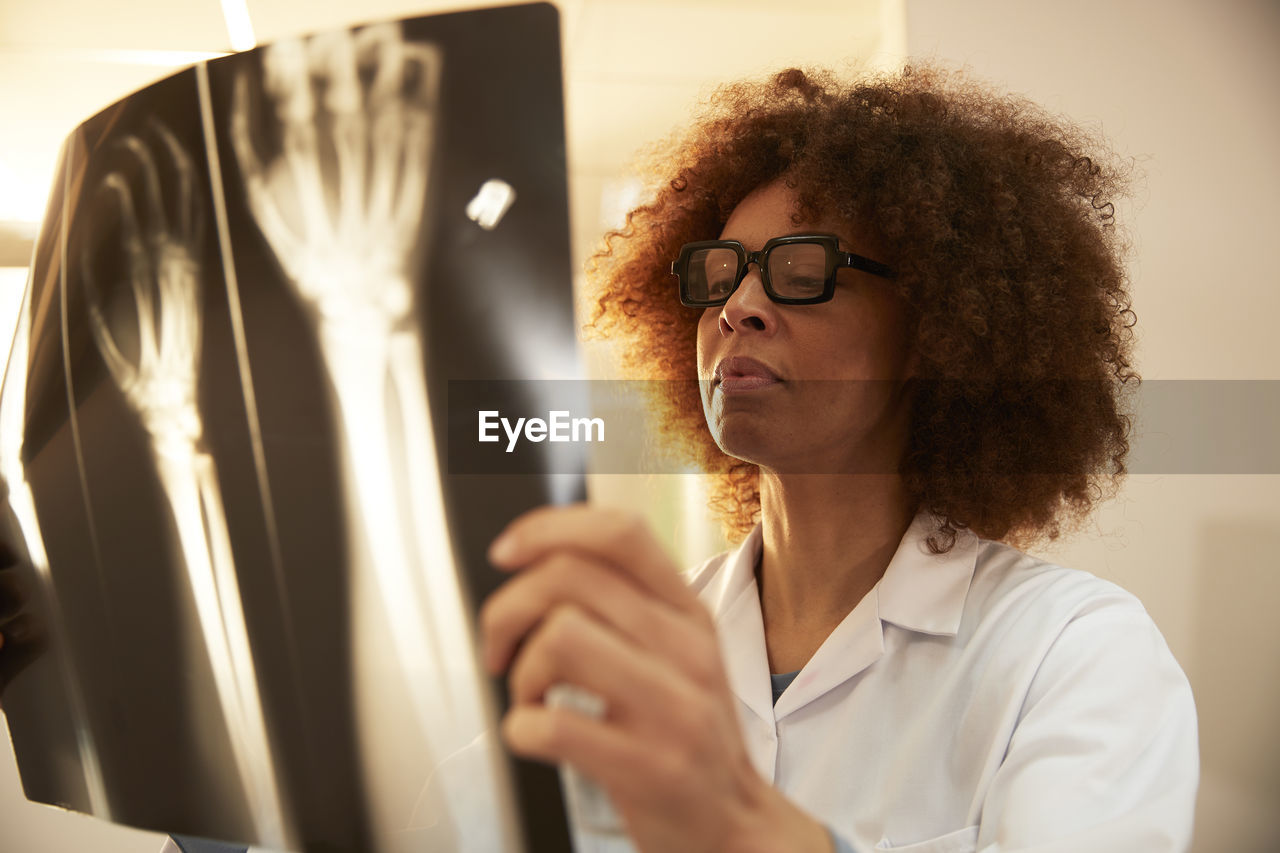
(747, 663)
(746, 656)
(855, 644)
(920, 591)
(734, 600)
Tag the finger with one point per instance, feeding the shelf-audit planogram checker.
(418, 115)
(414, 160)
(122, 369)
(612, 757)
(131, 231)
(608, 596)
(287, 78)
(156, 217)
(562, 577)
(381, 48)
(188, 209)
(333, 57)
(620, 539)
(266, 211)
(571, 647)
(639, 692)
(144, 258)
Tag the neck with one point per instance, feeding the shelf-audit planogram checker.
(827, 541)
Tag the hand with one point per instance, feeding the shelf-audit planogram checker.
(341, 202)
(159, 280)
(598, 604)
(21, 639)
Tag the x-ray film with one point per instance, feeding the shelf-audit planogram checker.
(223, 431)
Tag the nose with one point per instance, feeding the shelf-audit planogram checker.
(749, 308)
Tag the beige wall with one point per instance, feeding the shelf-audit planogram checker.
(1190, 89)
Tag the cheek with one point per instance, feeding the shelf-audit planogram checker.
(893, 348)
(708, 337)
(872, 343)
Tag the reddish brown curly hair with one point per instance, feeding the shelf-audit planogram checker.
(999, 220)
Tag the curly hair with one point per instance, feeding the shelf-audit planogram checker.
(999, 219)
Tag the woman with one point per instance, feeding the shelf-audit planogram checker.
(946, 382)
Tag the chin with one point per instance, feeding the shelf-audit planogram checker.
(742, 438)
(742, 450)
(766, 444)
(757, 443)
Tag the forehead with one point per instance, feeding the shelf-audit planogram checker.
(771, 211)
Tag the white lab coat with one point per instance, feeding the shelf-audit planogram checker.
(976, 700)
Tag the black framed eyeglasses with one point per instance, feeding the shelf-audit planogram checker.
(797, 270)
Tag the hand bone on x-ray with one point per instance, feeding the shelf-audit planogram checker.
(341, 204)
(160, 279)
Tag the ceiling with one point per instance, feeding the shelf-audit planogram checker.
(634, 70)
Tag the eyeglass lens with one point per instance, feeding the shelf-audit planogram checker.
(795, 271)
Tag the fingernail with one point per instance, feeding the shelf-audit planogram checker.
(502, 549)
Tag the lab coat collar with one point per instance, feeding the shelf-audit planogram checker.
(925, 592)
(920, 591)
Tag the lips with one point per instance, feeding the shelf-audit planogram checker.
(740, 373)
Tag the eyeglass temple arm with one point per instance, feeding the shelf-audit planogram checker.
(858, 262)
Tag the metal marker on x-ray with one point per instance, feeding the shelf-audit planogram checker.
(491, 203)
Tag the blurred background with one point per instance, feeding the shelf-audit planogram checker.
(1189, 89)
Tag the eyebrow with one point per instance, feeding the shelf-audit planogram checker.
(797, 233)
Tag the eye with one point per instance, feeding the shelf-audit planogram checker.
(720, 282)
(798, 270)
(799, 280)
(805, 285)
(715, 270)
